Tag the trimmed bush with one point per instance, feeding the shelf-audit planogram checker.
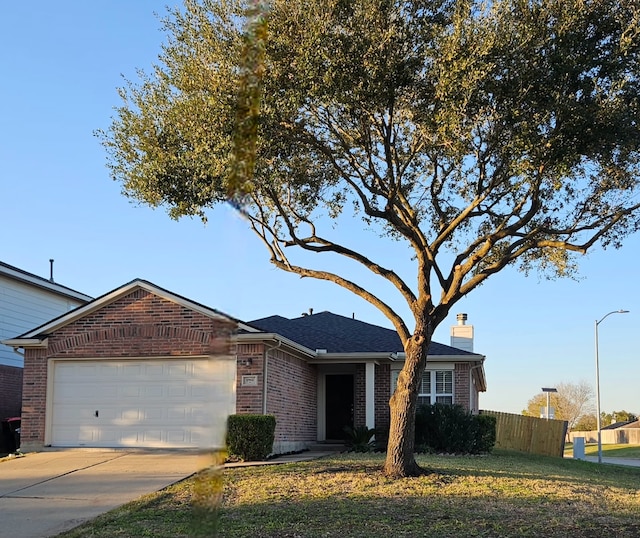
(451, 429)
(250, 437)
(487, 432)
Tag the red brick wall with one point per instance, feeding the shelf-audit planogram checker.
(10, 391)
(382, 395)
(249, 362)
(461, 382)
(141, 324)
(359, 396)
(138, 325)
(292, 396)
(34, 398)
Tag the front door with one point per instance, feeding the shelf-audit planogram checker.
(339, 405)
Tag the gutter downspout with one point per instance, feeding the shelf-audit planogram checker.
(264, 374)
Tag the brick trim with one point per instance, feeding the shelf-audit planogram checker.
(150, 330)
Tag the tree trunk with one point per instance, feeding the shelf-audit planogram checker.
(400, 460)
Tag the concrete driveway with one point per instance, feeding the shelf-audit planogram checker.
(45, 493)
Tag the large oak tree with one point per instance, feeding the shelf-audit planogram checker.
(480, 134)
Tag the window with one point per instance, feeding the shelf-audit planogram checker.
(436, 386)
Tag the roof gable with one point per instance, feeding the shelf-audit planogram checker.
(113, 296)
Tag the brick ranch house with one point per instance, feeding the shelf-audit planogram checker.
(144, 367)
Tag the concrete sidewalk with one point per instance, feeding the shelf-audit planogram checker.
(45, 493)
(614, 461)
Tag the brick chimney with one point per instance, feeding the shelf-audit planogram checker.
(462, 334)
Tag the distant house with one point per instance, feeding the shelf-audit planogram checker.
(617, 433)
(622, 424)
(26, 300)
(143, 367)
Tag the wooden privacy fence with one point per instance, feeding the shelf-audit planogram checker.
(619, 436)
(529, 434)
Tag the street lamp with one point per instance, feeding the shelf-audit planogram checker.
(548, 391)
(598, 420)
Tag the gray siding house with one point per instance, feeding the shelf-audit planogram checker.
(26, 301)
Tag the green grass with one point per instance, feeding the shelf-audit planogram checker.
(608, 451)
(500, 495)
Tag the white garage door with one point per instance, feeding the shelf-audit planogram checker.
(173, 403)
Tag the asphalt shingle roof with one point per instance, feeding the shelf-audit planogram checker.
(340, 334)
(622, 424)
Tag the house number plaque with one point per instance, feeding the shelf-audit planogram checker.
(249, 380)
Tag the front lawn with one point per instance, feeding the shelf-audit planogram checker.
(501, 495)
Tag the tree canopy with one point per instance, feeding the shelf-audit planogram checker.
(589, 421)
(572, 402)
(480, 134)
(618, 416)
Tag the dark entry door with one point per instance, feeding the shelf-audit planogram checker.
(339, 405)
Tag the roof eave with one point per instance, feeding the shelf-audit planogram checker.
(324, 358)
(274, 337)
(455, 358)
(482, 377)
(26, 342)
(28, 278)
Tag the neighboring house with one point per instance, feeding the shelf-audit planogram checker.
(143, 367)
(26, 300)
(617, 433)
(623, 424)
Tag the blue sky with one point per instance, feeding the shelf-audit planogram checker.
(61, 64)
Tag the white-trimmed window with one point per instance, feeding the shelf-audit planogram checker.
(436, 386)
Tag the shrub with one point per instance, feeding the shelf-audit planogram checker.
(360, 438)
(487, 432)
(452, 429)
(251, 436)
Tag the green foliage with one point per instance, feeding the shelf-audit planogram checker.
(251, 436)
(618, 416)
(248, 102)
(586, 423)
(444, 428)
(571, 402)
(360, 438)
(503, 131)
(486, 433)
(480, 134)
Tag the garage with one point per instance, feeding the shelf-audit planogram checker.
(139, 367)
(168, 403)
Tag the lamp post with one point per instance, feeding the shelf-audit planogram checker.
(598, 420)
(548, 391)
